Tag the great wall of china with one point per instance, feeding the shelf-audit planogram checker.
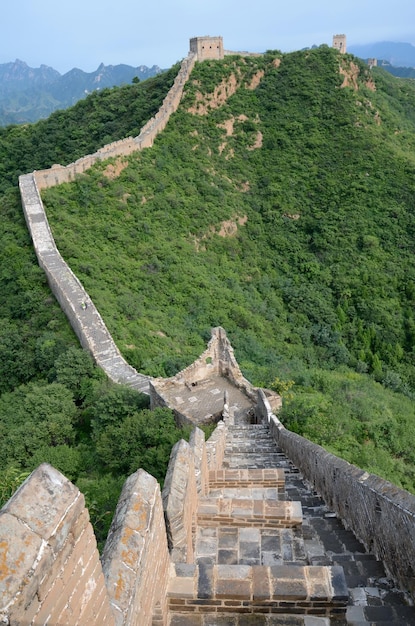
(257, 525)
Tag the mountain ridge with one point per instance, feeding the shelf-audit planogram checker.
(28, 94)
(398, 54)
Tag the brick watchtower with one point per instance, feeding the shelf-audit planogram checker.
(339, 42)
(207, 47)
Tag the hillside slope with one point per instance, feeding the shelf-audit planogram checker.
(305, 179)
(278, 203)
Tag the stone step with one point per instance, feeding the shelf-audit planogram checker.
(251, 546)
(250, 443)
(257, 477)
(253, 493)
(250, 436)
(296, 589)
(247, 513)
(251, 461)
(248, 428)
(231, 619)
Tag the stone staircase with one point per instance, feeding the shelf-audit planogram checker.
(269, 552)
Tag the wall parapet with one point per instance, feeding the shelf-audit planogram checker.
(58, 174)
(49, 563)
(187, 480)
(180, 502)
(71, 295)
(135, 559)
(381, 515)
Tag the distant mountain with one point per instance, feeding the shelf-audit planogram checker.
(397, 54)
(400, 72)
(28, 94)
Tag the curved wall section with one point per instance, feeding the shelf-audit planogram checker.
(71, 295)
(58, 174)
(67, 288)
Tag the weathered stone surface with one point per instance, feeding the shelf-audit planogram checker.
(180, 502)
(57, 504)
(197, 444)
(135, 559)
(21, 553)
(49, 564)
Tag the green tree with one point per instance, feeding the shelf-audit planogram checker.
(142, 439)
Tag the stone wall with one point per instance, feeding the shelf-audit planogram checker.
(71, 295)
(68, 290)
(381, 515)
(217, 360)
(136, 560)
(49, 563)
(187, 480)
(62, 174)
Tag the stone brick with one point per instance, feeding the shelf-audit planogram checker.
(260, 583)
(318, 583)
(289, 590)
(180, 587)
(55, 508)
(339, 585)
(205, 582)
(186, 620)
(24, 556)
(233, 582)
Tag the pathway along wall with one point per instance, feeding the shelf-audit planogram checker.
(68, 290)
(381, 515)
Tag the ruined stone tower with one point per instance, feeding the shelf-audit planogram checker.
(207, 47)
(339, 42)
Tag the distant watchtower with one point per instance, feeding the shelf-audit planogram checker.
(339, 42)
(207, 47)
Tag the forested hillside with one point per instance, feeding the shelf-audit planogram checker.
(54, 403)
(279, 204)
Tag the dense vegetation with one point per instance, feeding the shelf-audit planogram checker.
(102, 117)
(55, 405)
(277, 204)
(313, 185)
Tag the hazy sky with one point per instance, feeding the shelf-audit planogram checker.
(84, 33)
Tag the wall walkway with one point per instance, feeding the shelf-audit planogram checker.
(238, 537)
(381, 515)
(68, 290)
